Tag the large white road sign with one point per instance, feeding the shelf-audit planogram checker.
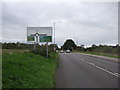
(39, 34)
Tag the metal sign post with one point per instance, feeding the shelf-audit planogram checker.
(54, 35)
(36, 42)
(34, 47)
(46, 49)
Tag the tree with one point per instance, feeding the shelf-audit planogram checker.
(94, 47)
(82, 48)
(69, 44)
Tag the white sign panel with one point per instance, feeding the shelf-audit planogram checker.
(35, 33)
(40, 30)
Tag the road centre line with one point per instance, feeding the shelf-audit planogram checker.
(115, 74)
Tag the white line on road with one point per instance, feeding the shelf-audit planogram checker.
(115, 74)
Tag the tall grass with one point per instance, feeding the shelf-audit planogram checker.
(28, 70)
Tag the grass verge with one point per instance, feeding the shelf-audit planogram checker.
(101, 54)
(28, 70)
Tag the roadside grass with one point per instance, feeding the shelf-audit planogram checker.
(100, 54)
(28, 70)
(14, 51)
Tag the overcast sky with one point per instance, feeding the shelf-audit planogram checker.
(85, 23)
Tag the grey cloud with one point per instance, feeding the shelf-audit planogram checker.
(90, 22)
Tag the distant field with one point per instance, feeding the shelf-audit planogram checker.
(28, 70)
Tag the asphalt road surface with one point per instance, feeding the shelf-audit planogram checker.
(76, 70)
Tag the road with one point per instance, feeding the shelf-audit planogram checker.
(76, 70)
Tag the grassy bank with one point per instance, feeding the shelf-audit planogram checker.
(28, 70)
(101, 54)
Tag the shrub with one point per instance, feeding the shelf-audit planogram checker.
(42, 50)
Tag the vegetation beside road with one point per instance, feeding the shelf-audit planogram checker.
(28, 70)
(101, 54)
(20, 47)
(102, 50)
(14, 51)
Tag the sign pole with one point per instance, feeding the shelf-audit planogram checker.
(35, 43)
(54, 35)
(47, 49)
(34, 47)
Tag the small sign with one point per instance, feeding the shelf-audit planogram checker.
(45, 38)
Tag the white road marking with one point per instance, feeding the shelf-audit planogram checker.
(92, 63)
(115, 74)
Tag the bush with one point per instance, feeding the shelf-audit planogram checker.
(42, 50)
